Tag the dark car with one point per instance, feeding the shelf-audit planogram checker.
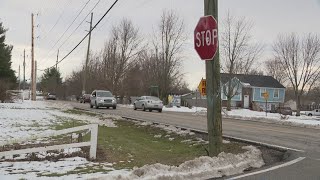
(51, 96)
(284, 110)
(85, 98)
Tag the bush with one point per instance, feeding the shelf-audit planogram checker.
(4, 87)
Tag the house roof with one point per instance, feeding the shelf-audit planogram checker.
(253, 80)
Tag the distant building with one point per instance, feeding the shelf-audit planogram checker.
(248, 92)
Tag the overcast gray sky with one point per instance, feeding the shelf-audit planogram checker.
(270, 18)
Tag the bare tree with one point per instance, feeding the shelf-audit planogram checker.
(238, 51)
(300, 58)
(167, 47)
(276, 70)
(120, 53)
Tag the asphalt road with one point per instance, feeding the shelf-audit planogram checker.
(300, 138)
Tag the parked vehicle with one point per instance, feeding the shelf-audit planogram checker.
(85, 98)
(51, 96)
(102, 98)
(315, 112)
(148, 102)
(284, 110)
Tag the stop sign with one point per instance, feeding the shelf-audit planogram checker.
(206, 37)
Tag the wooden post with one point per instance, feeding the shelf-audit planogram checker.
(87, 59)
(213, 91)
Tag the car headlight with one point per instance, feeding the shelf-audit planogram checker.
(113, 101)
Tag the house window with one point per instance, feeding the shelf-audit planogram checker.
(276, 93)
(262, 91)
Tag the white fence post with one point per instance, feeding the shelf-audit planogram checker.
(94, 141)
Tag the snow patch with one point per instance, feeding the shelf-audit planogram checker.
(225, 164)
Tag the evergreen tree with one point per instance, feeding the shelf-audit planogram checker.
(6, 72)
(7, 76)
(51, 80)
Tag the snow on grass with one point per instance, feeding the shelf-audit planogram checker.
(29, 119)
(246, 114)
(225, 164)
(302, 120)
(184, 109)
(32, 169)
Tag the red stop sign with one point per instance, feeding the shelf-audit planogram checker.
(206, 37)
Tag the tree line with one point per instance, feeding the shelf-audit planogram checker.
(129, 65)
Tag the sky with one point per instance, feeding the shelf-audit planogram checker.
(53, 21)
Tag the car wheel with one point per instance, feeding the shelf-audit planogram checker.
(107, 107)
(150, 110)
(309, 114)
(91, 106)
(114, 107)
(97, 107)
(134, 107)
(160, 110)
(143, 108)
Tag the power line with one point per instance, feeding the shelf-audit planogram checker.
(57, 21)
(68, 27)
(114, 3)
(77, 26)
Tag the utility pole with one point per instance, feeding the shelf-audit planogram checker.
(19, 78)
(214, 120)
(33, 79)
(57, 60)
(87, 59)
(24, 69)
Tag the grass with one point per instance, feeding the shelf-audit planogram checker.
(129, 145)
(80, 112)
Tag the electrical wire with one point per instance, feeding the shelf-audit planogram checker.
(79, 24)
(57, 21)
(114, 3)
(85, 5)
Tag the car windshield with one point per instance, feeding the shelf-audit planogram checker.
(153, 98)
(104, 94)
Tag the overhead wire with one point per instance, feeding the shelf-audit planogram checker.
(85, 5)
(114, 3)
(72, 33)
(57, 21)
(79, 24)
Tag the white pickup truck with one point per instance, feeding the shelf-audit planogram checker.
(315, 112)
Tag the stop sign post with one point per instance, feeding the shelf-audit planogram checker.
(206, 37)
(206, 45)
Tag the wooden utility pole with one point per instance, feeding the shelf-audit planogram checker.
(35, 76)
(214, 120)
(33, 79)
(87, 59)
(19, 78)
(57, 60)
(24, 69)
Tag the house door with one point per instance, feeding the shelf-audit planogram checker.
(246, 101)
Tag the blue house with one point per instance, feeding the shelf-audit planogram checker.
(249, 90)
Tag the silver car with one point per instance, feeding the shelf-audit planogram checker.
(148, 102)
(101, 98)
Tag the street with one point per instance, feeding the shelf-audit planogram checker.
(305, 139)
